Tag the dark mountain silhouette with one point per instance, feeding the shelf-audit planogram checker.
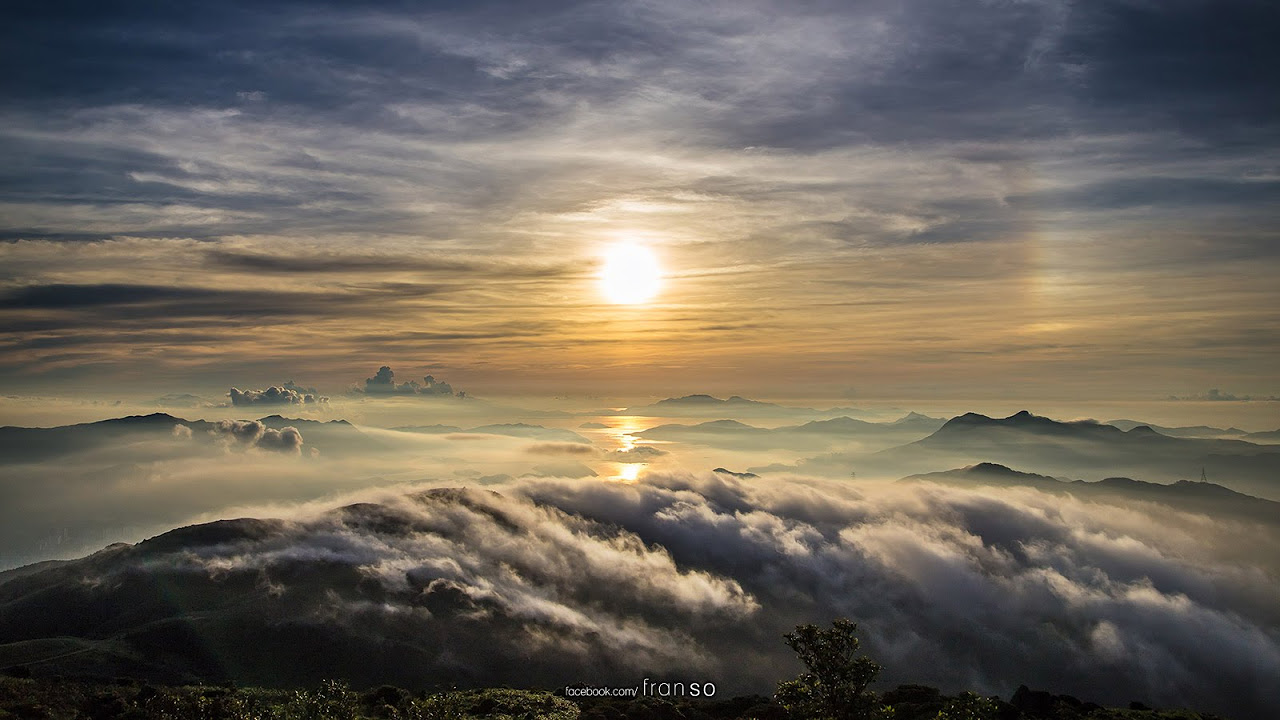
(726, 427)
(281, 603)
(21, 444)
(987, 473)
(704, 400)
(1083, 448)
(1191, 496)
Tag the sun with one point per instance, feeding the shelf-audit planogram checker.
(631, 275)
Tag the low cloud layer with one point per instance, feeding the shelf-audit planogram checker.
(697, 576)
(1216, 395)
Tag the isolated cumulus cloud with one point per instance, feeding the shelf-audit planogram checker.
(700, 575)
(383, 383)
(287, 394)
(254, 434)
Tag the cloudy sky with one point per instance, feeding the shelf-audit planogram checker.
(922, 197)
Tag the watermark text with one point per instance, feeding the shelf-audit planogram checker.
(646, 688)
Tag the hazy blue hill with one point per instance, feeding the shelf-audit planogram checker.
(708, 400)
(429, 429)
(1190, 431)
(1021, 422)
(1190, 496)
(1267, 436)
(971, 431)
(841, 425)
(987, 473)
(701, 405)
(521, 430)
(813, 435)
(536, 432)
(729, 427)
(1080, 448)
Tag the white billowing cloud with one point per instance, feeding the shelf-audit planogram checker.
(254, 434)
(275, 395)
(983, 589)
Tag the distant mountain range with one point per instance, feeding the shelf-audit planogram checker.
(734, 406)
(22, 444)
(1192, 431)
(815, 434)
(1190, 496)
(1081, 448)
(522, 430)
(334, 438)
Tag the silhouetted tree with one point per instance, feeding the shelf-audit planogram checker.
(835, 686)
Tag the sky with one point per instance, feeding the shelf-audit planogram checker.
(433, 220)
(911, 199)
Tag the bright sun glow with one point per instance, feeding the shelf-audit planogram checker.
(628, 472)
(631, 275)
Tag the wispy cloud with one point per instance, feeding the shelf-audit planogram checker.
(977, 171)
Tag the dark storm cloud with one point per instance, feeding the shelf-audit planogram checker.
(353, 263)
(54, 306)
(1169, 192)
(57, 297)
(495, 144)
(1204, 67)
(921, 71)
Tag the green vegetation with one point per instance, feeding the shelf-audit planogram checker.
(834, 686)
(60, 699)
(57, 699)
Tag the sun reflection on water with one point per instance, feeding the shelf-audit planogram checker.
(628, 472)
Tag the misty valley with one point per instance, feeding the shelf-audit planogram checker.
(494, 546)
